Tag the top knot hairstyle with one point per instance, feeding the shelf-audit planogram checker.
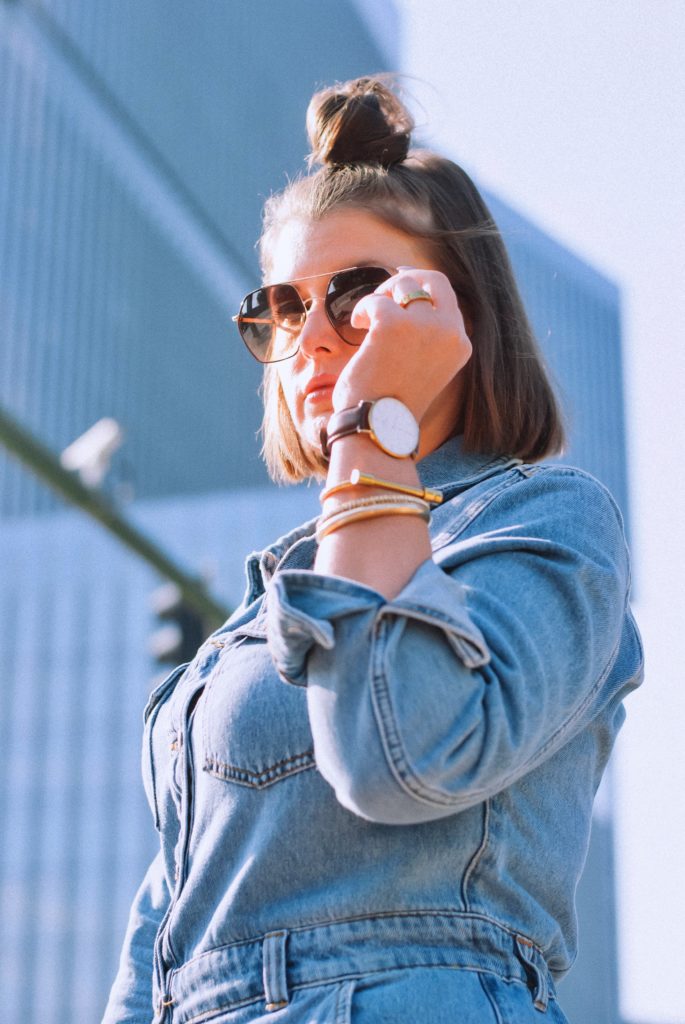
(360, 132)
(361, 122)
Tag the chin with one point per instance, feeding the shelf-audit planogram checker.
(311, 429)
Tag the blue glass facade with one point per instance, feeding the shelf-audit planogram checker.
(576, 315)
(142, 141)
(139, 141)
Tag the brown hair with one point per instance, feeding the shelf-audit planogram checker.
(360, 132)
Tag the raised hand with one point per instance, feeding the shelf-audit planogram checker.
(412, 351)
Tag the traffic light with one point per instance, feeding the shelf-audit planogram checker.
(181, 630)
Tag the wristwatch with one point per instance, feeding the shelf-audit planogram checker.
(388, 422)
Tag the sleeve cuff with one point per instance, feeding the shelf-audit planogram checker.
(434, 597)
(305, 607)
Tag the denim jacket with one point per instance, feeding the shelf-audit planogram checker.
(416, 772)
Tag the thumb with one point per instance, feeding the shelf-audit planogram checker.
(362, 314)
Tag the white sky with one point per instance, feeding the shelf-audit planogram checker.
(572, 111)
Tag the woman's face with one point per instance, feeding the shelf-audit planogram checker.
(302, 249)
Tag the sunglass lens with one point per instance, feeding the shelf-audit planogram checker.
(270, 320)
(344, 292)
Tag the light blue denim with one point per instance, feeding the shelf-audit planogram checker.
(379, 810)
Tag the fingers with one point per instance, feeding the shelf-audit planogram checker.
(409, 279)
(407, 289)
(389, 300)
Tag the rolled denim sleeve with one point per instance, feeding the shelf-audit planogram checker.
(130, 1000)
(496, 652)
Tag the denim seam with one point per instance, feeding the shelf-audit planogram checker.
(343, 1009)
(404, 771)
(284, 544)
(159, 976)
(397, 756)
(391, 739)
(207, 1015)
(246, 777)
(490, 472)
(538, 978)
(474, 509)
(456, 633)
(215, 680)
(160, 693)
(493, 1006)
(224, 1008)
(448, 912)
(515, 475)
(157, 698)
(406, 776)
(370, 598)
(150, 758)
(477, 968)
(478, 855)
(553, 742)
(319, 631)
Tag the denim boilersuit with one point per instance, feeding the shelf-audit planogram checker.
(376, 810)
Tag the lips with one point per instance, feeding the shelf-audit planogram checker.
(320, 386)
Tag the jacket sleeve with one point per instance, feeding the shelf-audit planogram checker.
(496, 652)
(130, 1000)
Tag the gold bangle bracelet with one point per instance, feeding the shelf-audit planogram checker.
(358, 515)
(369, 480)
(358, 478)
(375, 499)
(344, 485)
(352, 517)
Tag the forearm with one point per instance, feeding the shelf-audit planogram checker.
(498, 650)
(384, 552)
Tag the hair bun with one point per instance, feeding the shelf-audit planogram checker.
(358, 122)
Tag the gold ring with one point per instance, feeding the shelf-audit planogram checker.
(418, 296)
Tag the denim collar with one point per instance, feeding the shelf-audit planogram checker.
(449, 469)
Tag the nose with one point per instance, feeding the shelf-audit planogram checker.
(317, 334)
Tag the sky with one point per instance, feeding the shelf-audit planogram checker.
(573, 113)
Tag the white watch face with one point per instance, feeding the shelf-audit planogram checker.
(394, 426)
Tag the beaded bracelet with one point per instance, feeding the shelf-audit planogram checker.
(375, 499)
(337, 520)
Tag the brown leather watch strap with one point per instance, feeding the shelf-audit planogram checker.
(347, 421)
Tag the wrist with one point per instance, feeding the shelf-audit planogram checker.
(371, 394)
(387, 421)
(359, 451)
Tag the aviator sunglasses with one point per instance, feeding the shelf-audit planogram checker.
(271, 317)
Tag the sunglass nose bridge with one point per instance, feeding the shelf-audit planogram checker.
(343, 290)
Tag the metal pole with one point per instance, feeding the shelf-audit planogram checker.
(45, 464)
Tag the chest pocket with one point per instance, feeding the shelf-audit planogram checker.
(255, 729)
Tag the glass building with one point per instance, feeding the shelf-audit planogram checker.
(138, 142)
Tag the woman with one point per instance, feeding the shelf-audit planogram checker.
(374, 784)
